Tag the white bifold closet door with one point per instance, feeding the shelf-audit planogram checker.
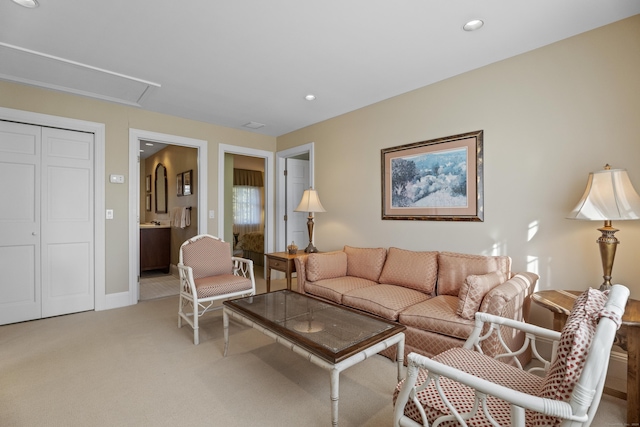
(46, 222)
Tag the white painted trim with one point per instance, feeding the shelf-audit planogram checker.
(268, 189)
(281, 191)
(98, 129)
(135, 135)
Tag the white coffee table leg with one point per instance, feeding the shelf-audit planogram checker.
(225, 325)
(335, 391)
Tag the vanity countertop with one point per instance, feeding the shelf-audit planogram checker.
(149, 225)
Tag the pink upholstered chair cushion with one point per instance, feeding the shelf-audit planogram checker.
(461, 396)
(473, 290)
(453, 269)
(208, 257)
(326, 266)
(365, 262)
(220, 285)
(415, 270)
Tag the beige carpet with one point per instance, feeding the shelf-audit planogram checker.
(133, 367)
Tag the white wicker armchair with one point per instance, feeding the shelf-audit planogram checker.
(208, 273)
(464, 387)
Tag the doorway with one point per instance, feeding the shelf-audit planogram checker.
(289, 193)
(225, 191)
(135, 193)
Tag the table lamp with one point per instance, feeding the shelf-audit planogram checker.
(609, 196)
(310, 203)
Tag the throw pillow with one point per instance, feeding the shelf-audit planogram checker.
(575, 340)
(326, 266)
(453, 269)
(473, 290)
(365, 263)
(415, 270)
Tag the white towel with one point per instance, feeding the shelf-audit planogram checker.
(185, 221)
(178, 217)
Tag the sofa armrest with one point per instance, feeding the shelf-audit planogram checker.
(511, 300)
(301, 274)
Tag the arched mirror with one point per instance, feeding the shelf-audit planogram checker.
(161, 189)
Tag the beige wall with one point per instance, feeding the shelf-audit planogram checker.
(549, 117)
(118, 120)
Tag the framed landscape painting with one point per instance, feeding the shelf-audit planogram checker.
(436, 180)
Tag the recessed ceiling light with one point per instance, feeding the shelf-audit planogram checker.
(31, 4)
(254, 125)
(310, 97)
(473, 25)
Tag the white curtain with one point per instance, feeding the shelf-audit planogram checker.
(247, 209)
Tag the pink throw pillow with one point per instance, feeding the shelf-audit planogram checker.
(326, 266)
(453, 269)
(365, 263)
(410, 269)
(474, 289)
(575, 340)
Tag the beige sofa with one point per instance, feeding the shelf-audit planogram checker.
(434, 294)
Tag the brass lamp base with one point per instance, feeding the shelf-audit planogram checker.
(608, 244)
(310, 248)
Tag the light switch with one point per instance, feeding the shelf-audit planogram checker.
(109, 213)
(212, 214)
(116, 179)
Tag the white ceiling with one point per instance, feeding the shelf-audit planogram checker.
(238, 61)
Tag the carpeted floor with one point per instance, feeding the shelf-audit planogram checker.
(133, 367)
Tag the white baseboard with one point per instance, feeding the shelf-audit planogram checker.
(617, 373)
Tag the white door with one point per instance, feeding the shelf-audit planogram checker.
(47, 215)
(19, 222)
(297, 181)
(67, 222)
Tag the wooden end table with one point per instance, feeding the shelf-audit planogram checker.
(282, 261)
(628, 338)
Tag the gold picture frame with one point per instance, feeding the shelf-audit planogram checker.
(435, 180)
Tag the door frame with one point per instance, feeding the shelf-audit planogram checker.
(268, 189)
(135, 135)
(101, 302)
(282, 156)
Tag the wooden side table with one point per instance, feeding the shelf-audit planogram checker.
(627, 337)
(282, 261)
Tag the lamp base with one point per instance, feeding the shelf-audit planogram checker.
(310, 249)
(607, 243)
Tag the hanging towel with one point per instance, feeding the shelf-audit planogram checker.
(185, 221)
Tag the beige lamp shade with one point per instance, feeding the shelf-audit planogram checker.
(310, 202)
(609, 196)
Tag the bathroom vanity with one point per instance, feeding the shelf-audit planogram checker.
(155, 247)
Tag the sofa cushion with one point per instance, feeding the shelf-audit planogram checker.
(473, 290)
(453, 269)
(365, 262)
(326, 266)
(415, 270)
(383, 300)
(333, 289)
(438, 315)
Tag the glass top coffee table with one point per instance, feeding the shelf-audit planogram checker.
(328, 335)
